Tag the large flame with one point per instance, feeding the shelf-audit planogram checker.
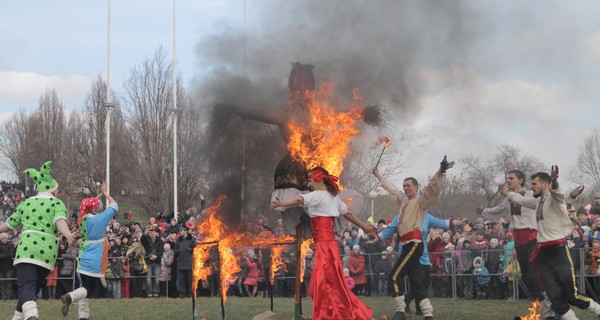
(215, 233)
(323, 139)
(305, 245)
(533, 314)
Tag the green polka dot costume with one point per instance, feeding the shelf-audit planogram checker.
(39, 215)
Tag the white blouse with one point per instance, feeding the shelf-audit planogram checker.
(321, 203)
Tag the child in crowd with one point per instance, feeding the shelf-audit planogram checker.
(482, 278)
(165, 269)
(383, 268)
(349, 281)
(511, 270)
(449, 268)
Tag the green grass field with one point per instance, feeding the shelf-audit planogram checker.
(246, 308)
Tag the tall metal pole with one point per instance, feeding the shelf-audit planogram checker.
(243, 178)
(108, 103)
(175, 116)
(298, 295)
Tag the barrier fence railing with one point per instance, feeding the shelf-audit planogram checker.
(449, 283)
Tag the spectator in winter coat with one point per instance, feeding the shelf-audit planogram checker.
(165, 268)
(154, 250)
(356, 265)
(349, 280)
(185, 248)
(465, 264)
(66, 267)
(7, 254)
(173, 227)
(382, 271)
(492, 258)
(482, 278)
(114, 276)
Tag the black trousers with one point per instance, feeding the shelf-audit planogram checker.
(528, 269)
(93, 285)
(558, 277)
(420, 286)
(185, 283)
(30, 279)
(408, 265)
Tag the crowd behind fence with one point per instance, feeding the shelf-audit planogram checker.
(450, 283)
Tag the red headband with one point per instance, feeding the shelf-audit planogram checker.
(318, 175)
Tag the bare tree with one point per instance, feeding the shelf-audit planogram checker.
(588, 159)
(28, 140)
(457, 198)
(484, 175)
(89, 141)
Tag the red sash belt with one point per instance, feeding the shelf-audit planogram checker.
(523, 236)
(412, 236)
(541, 245)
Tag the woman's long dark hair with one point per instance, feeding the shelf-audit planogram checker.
(332, 187)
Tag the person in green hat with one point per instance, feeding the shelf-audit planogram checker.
(42, 217)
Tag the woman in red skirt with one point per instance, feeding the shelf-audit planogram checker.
(331, 297)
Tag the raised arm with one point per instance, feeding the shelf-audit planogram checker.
(388, 186)
(430, 193)
(104, 189)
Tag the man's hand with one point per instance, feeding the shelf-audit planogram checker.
(369, 229)
(445, 165)
(460, 222)
(374, 241)
(70, 237)
(554, 173)
(104, 187)
(577, 191)
(375, 171)
(503, 189)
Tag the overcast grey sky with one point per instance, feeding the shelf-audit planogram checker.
(459, 77)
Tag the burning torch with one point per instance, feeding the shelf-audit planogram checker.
(386, 142)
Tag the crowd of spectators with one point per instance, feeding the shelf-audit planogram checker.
(154, 258)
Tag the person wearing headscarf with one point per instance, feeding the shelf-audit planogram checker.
(42, 216)
(331, 297)
(93, 253)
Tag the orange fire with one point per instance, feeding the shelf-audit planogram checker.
(305, 245)
(533, 314)
(216, 233)
(385, 140)
(323, 139)
(277, 244)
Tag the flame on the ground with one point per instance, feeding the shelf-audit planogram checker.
(323, 139)
(303, 249)
(215, 233)
(533, 311)
(277, 244)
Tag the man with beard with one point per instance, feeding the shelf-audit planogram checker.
(524, 228)
(551, 252)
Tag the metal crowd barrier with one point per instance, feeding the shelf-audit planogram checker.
(584, 281)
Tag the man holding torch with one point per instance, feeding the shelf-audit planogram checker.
(410, 224)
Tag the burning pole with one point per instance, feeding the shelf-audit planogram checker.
(218, 254)
(386, 142)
